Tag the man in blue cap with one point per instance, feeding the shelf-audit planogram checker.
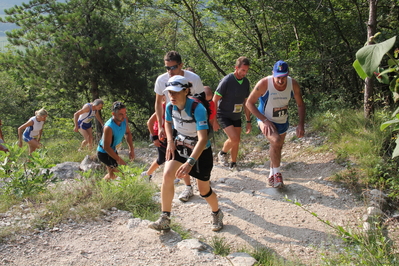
(274, 92)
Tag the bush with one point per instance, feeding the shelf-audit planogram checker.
(21, 178)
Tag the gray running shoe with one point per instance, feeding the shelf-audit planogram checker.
(217, 223)
(163, 223)
(223, 159)
(146, 176)
(278, 181)
(186, 194)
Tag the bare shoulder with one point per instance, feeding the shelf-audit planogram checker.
(295, 83)
(262, 85)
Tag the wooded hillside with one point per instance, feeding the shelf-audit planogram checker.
(72, 52)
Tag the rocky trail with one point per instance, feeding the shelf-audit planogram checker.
(255, 215)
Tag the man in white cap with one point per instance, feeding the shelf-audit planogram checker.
(274, 92)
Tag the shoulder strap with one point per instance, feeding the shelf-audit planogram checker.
(182, 120)
(88, 115)
(193, 106)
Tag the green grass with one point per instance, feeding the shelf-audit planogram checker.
(78, 200)
(359, 142)
(178, 228)
(220, 246)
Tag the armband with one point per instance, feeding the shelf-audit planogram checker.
(154, 137)
(191, 161)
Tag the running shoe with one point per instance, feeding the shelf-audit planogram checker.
(217, 223)
(163, 223)
(233, 166)
(278, 181)
(146, 176)
(223, 159)
(186, 194)
(271, 180)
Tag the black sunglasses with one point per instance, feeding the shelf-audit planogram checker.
(171, 67)
(176, 83)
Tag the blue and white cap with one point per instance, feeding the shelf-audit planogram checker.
(280, 69)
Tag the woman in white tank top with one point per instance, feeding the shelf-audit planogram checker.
(31, 131)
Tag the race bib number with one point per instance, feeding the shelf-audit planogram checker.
(184, 146)
(280, 111)
(237, 108)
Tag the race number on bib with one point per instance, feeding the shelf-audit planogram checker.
(280, 111)
(237, 108)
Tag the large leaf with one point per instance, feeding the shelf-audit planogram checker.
(370, 56)
(390, 122)
(359, 69)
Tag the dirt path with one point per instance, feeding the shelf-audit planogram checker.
(255, 215)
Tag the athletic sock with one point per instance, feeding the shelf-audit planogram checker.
(216, 212)
(167, 213)
(276, 170)
(271, 172)
(223, 153)
(233, 164)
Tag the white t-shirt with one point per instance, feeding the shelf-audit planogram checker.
(190, 76)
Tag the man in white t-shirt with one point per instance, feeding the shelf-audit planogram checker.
(174, 66)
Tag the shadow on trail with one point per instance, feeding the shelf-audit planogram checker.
(296, 175)
(285, 235)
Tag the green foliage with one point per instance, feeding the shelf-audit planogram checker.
(362, 148)
(370, 56)
(65, 150)
(350, 177)
(220, 246)
(266, 257)
(78, 200)
(370, 247)
(181, 230)
(385, 176)
(130, 193)
(21, 178)
(77, 51)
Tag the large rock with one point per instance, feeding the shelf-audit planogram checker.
(241, 259)
(90, 162)
(66, 170)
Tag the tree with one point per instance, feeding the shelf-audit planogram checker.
(78, 48)
(369, 82)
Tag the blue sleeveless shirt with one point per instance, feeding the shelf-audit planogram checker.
(117, 134)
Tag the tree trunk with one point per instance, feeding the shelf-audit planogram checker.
(369, 82)
(95, 95)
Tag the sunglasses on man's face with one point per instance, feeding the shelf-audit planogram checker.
(171, 67)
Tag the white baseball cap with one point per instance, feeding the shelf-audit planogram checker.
(177, 83)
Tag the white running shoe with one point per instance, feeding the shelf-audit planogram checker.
(186, 194)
